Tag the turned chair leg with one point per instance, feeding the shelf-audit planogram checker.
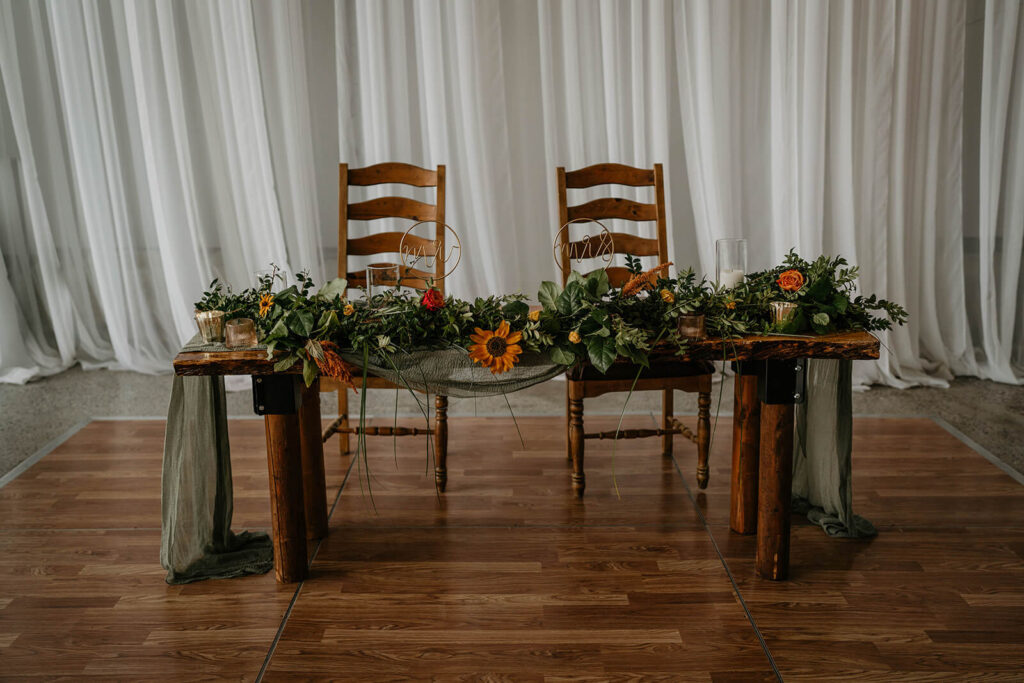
(576, 444)
(703, 437)
(440, 441)
(666, 422)
(568, 429)
(343, 442)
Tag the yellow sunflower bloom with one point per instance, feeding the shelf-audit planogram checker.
(266, 303)
(498, 349)
(574, 337)
(667, 296)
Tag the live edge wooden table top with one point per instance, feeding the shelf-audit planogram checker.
(769, 381)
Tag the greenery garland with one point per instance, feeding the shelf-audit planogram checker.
(586, 320)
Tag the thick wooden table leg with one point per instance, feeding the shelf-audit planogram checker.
(440, 442)
(746, 440)
(284, 462)
(314, 481)
(774, 491)
(576, 437)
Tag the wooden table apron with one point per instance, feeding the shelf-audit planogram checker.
(769, 382)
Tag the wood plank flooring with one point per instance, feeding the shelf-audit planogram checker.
(504, 577)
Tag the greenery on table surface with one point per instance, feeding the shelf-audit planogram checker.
(586, 320)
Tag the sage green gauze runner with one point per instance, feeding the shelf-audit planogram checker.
(197, 499)
(822, 451)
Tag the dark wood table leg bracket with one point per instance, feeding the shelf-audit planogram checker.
(780, 385)
(290, 452)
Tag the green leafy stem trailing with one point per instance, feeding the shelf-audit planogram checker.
(586, 320)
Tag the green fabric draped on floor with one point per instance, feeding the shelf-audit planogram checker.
(197, 542)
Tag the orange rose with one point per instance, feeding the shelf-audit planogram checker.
(791, 281)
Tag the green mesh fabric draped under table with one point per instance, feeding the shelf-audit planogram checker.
(197, 541)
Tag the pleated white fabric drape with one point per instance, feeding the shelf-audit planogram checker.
(147, 147)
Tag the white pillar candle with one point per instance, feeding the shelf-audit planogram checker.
(730, 278)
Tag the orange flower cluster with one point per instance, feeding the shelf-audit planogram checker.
(645, 280)
(330, 363)
(791, 280)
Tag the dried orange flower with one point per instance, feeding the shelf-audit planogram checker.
(266, 303)
(644, 280)
(329, 361)
(667, 296)
(574, 337)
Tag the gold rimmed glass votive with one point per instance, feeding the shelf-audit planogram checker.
(211, 325)
(782, 311)
(691, 326)
(240, 333)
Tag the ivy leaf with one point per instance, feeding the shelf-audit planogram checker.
(561, 356)
(602, 352)
(547, 294)
(335, 287)
(308, 372)
(285, 363)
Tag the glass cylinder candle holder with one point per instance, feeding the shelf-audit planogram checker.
(211, 325)
(691, 326)
(380, 278)
(240, 333)
(782, 311)
(730, 261)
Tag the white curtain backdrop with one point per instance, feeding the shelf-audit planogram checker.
(147, 147)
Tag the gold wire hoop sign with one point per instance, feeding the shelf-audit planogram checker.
(600, 246)
(430, 251)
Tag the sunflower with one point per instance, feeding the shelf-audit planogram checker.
(266, 303)
(497, 350)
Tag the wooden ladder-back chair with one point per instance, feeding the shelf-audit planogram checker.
(667, 375)
(388, 243)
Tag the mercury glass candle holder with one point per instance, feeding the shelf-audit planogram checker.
(240, 333)
(782, 311)
(691, 326)
(211, 325)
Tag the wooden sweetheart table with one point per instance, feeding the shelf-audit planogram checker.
(769, 382)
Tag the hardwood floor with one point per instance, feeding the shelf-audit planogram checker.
(505, 577)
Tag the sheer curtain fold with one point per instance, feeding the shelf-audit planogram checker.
(147, 147)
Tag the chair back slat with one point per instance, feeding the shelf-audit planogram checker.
(388, 243)
(392, 172)
(614, 207)
(391, 207)
(609, 174)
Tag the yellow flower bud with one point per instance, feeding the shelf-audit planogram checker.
(574, 337)
(349, 309)
(534, 315)
(667, 296)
